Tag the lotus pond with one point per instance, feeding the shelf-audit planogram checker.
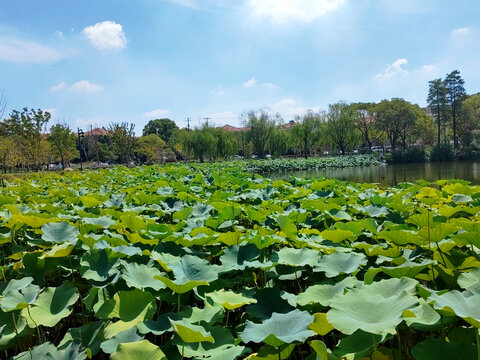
(210, 262)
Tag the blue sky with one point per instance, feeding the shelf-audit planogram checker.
(92, 62)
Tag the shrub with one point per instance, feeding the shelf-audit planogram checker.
(414, 154)
(442, 153)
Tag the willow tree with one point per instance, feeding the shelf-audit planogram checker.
(306, 131)
(341, 126)
(261, 126)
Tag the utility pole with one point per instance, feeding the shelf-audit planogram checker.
(188, 123)
(80, 136)
(206, 120)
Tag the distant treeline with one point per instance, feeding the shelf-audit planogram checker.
(448, 128)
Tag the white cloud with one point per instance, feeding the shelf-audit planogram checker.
(282, 11)
(59, 86)
(106, 35)
(225, 117)
(394, 69)
(289, 108)
(428, 68)
(460, 31)
(188, 3)
(85, 86)
(156, 114)
(250, 83)
(23, 51)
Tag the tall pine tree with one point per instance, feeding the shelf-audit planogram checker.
(437, 102)
(455, 95)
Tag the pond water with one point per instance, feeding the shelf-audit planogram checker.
(390, 175)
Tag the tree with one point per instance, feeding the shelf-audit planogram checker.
(161, 127)
(9, 153)
(64, 143)
(396, 117)
(423, 129)
(366, 124)
(28, 126)
(153, 149)
(261, 126)
(279, 142)
(201, 143)
(226, 144)
(123, 141)
(306, 131)
(469, 126)
(437, 102)
(455, 95)
(341, 126)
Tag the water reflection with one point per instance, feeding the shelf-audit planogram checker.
(389, 175)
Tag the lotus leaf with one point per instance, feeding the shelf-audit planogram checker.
(279, 329)
(143, 349)
(60, 232)
(340, 263)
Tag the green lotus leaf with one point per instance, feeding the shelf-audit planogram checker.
(400, 237)
(90, 201)
(408, 269)
(127, 336)
(391, 287)
(298, 257)
(133, 305)
(470, 280)
(99, 267)
(133, 223)
(467, 238)
(143, 349)
(321, 325)
(159, 326)
(229, 299)
(49, 352)
(223, 348)
(422, 316)
(193, 268)
(181, 287)
(455, 302)
(363, 309)
(373, 210)
(325, 294)
(269, 301)
(88, 336)
(279, 329)
(282, 352)
(190, 333)
(60, 232)
(356, 346)
(461, 199)
(101, 221)
(12, 325)
(51, 306)
(287, 226)
(321, 350)
(437, 233)
(19, 294)
(239, 257)
(337, 235)
(340, 263)
(201, 210)
(439, 349)
(142, 276)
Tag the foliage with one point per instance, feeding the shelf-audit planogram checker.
(64, 143)
(9, 153)
(366, 123)
(442, 153)
(161, 127)
(153, 149)
(455, 95)
(414, 154)
(261, 127)
(123, 141)
(341, 126)
(208, 261)
(437, 102)
(306, 131)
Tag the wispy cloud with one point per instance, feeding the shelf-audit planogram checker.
(156, 114)
(393, 70)
(282, 11)
(22, 51)
(106, 35)
(59, 86)
(85, 86)
(460, 31)
(289, 108)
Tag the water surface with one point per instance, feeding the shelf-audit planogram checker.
(390, 175)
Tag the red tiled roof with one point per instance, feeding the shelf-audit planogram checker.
(233, 128)
(97, 131)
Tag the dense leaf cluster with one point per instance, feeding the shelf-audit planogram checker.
(210, 262)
